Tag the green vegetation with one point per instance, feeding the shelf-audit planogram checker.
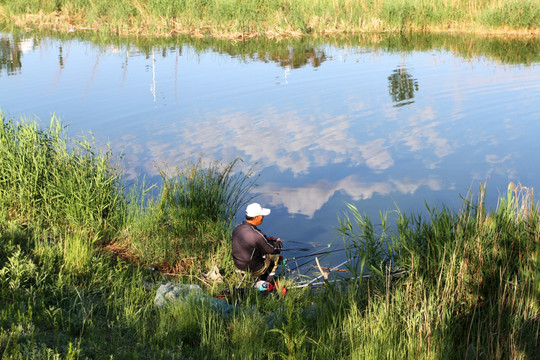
(190, 220)
(248, 18)
(471, 287)
(45, 186)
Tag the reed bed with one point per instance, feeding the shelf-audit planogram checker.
(49, 181)
(276, 18)
(189, 223)
(470, 287)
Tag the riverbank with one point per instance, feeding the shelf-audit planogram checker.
(278, 18)
(77, 274)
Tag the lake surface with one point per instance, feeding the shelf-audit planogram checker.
(373, 121)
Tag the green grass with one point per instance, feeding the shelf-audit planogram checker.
(247, 18)
(512, 14)
(49, 181)
(471, 287)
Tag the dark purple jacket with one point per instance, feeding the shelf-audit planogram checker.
(249, 245)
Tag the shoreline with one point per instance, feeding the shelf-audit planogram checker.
(63, 23)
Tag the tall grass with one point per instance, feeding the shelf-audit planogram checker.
(63, 295)
(202, 191)
(49, 181)
(188, 224)
(69, 190)
(472, 283)
(247, 18)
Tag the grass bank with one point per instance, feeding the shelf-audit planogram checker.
(471, 286)
(56, 187)
(275, 18)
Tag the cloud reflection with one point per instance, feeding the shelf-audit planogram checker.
(285, 141)
(307, 199)
(422, 135)
(291, 143)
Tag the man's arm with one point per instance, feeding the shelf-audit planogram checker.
(269, 244)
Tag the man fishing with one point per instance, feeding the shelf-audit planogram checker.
(252, 250)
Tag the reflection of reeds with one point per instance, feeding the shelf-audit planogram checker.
(310, 51)
(241, 19)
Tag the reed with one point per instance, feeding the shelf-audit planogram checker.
(469, 274)
(50, 181)
(188, 224)
(203, 191)
(249, 18)
(67, 188)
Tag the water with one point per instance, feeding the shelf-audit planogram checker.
(374, 121)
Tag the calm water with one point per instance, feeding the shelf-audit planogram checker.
(373, 122)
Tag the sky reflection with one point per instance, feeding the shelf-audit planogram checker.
(308, 199)
(325, 126)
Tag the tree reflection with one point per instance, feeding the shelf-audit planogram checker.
(10, 55)
(402, 86)
(297, 58)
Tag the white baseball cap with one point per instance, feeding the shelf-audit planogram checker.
(255, 209)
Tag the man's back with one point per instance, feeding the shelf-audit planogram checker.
(249, 245)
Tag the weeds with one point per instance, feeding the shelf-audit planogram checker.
(189, 221)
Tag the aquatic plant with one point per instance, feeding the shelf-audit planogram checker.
(189, 222)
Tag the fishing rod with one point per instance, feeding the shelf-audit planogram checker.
(307, 262)
(334, 268)
(317, 252)
(293, 241)
(297, 267)
(302, 264)
(297, 249)
(312, 244)
(393, 273)
(296, 242)
(313, 254)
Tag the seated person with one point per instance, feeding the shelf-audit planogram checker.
(252, 250)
